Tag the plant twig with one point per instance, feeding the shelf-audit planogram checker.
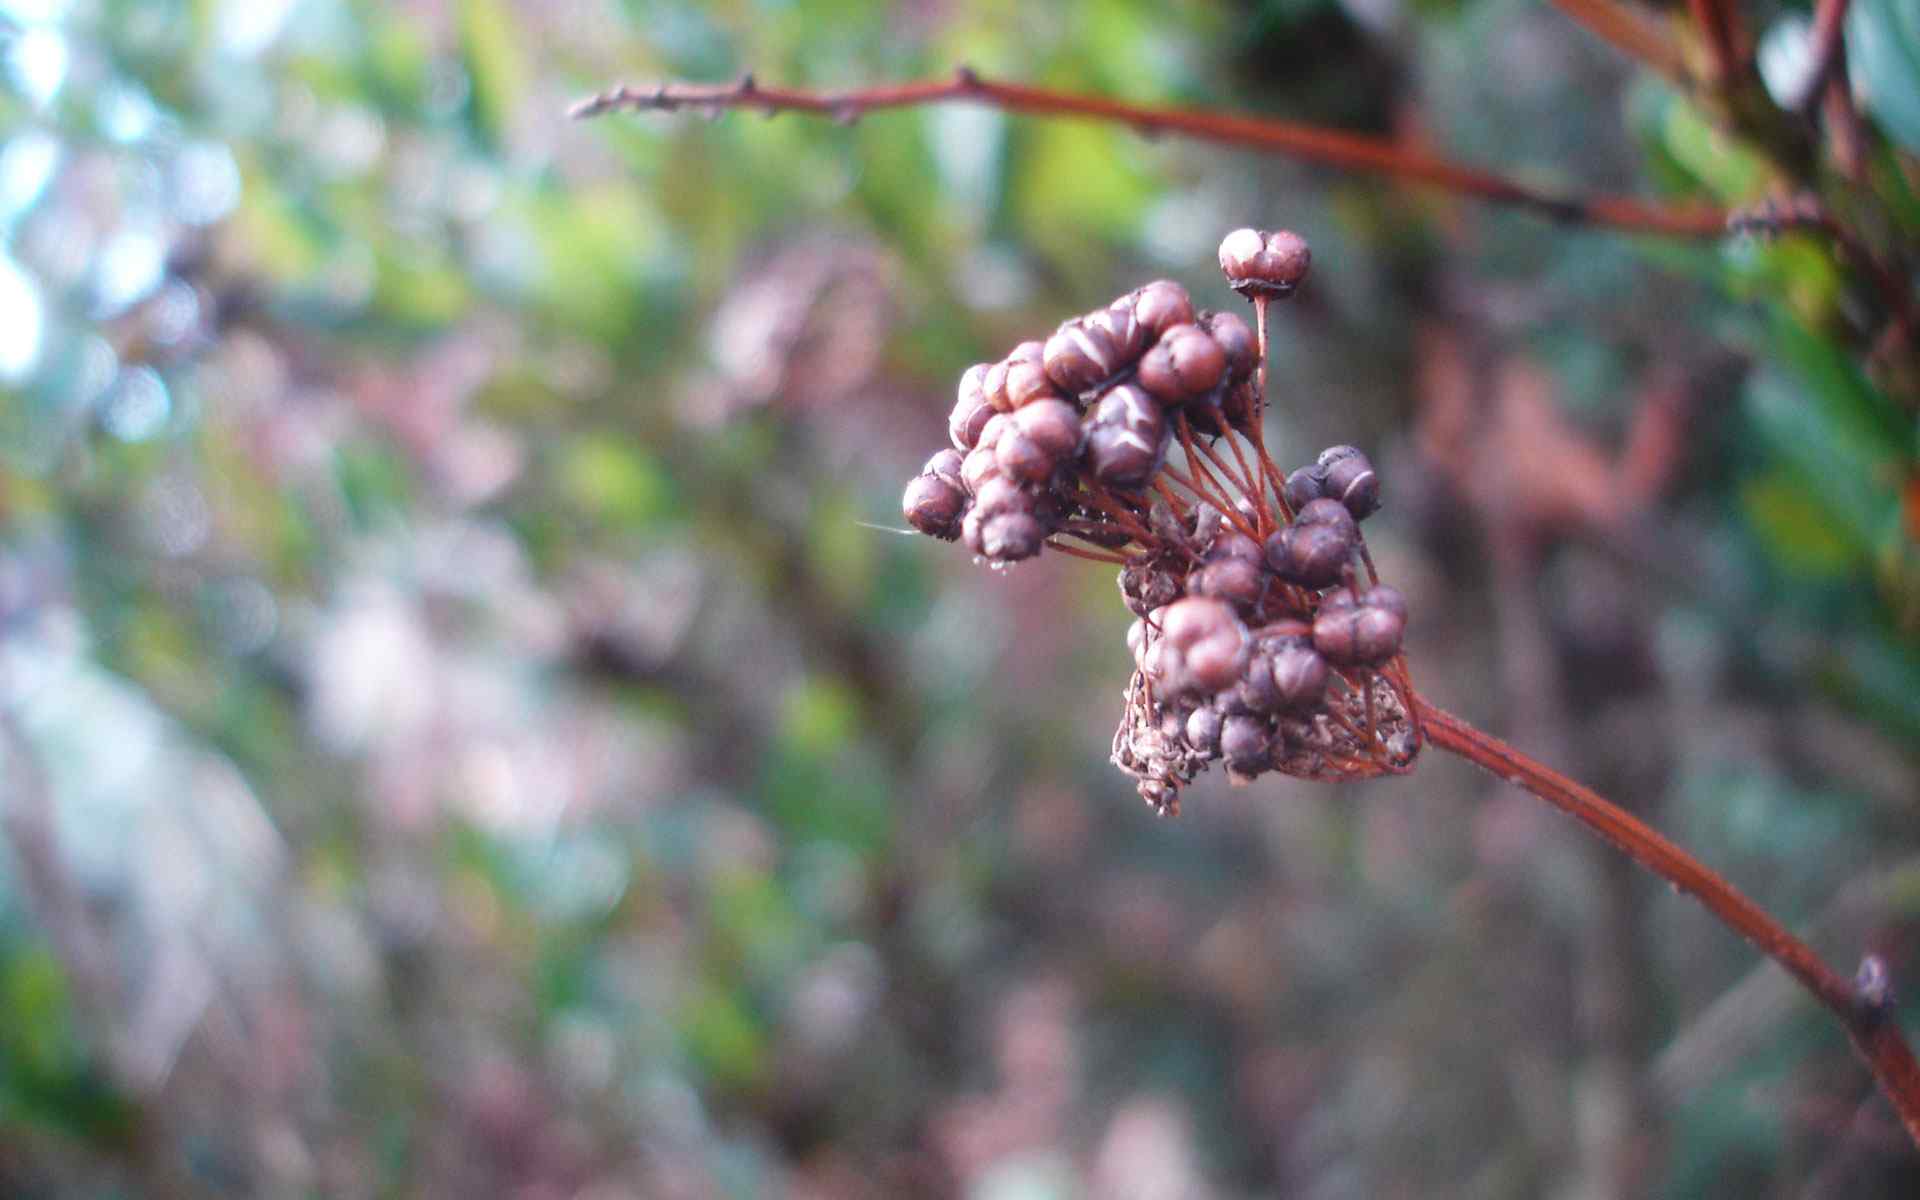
(1307, 143)
(1863, 1006)
(1719, 26)
(1631, 31)
(1829, 17)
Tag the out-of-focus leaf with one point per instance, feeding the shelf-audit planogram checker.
(1730, 171)
(492, 48)
(615, 483)
(1798, 534)
(1883, 58)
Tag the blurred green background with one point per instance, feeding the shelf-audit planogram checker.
(462, 733)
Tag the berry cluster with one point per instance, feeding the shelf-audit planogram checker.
(1134, 436)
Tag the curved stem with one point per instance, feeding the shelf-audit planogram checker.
(1306, 143)
(1863, 1006)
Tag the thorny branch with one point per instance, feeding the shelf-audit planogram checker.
(1306, 143)
(1632, 31)
(1864, 1005)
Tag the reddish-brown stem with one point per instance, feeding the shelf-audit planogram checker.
(1306, 143)
(1867, 1017)
(1225, 482)
(1098, 556)
(1192, 444)
(1101, 499)
(1629, 30)
(1720, 32)
(1829, 17)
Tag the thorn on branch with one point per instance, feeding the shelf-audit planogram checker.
(966, 78)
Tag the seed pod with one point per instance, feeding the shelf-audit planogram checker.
(1299, 676)
(970, 410)
(1304, 484)
(1002, 525)
(1381, 595)
(1021, 458)
(1350, 479)
(1234, 580)
(1138, 638)
(1087, 351)
(1257, 692)
(1147, 584)
(1008, 537)
(1236, 340)
(1311, 555)
(1184, 363)
(945, 464)
(1203, 646)
(995, 385)
(1126, 437)
(1054, 426)
(1268, 264)
(1231, 543)
(1159, 306)
(1203, 730)
(1245, 743)
(1358, 634)
(934, 504)
(980, 465)
(1330, 513)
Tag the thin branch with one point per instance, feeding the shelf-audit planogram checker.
(1863, 1006)
(1631, 31)
(1719, 26)
(1829, 18)
(1327, 147)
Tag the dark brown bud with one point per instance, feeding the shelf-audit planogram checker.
(1021, 458)
(995, 384)
(1304, 485)
(1245, 743)
(1203, 730)
(1184, 363)
(934, 505)
(1257, 692)
(1087, 351)
(1330, 513)
(1358, 635)
(1053, 424)
(1159, 306)
(970, 410)
(1203, 646)
(1126, 437)
(1269, 264)
(1299, 676)
(1027, 382)
(946, 464)
(1008, 537)
(1350, 479)
(1381, 595)
(1234, 580)
(980, 465)
(1002, 524)
(1236, 340)
(1311, 555)
(1231, 543)
(1147, 584)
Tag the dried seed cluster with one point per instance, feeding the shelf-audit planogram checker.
(1043, 434)
(1133, 436)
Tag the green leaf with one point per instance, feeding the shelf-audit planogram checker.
(491, 46)
(1883, 58)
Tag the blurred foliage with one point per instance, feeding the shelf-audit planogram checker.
(452, 640)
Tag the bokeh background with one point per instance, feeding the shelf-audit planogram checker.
(468, 729)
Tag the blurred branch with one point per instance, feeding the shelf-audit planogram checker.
(1719, 26)
(1829, 17)
(1863, 1006)
(1306, 143)
(1631, 31)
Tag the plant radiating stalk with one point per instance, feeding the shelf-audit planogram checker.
(1862, 1006)
(1306, 143)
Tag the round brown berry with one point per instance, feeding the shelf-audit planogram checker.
(1266, 264)
(1186, 362)
(1126, 437)
(934, 504)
